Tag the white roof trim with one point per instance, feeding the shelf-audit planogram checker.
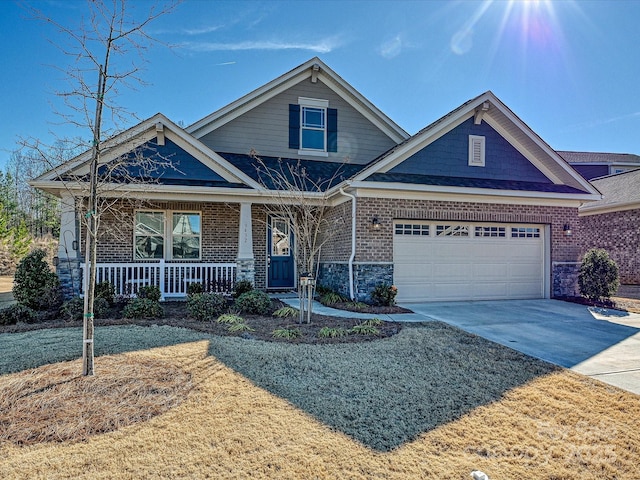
(288, 80)
(470, 191)
(145, 131)
(608, 208)
(446, 123)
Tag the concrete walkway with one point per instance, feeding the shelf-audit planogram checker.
(603, 344)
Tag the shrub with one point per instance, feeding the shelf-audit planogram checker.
(239, 327)
(229, 319)
(242, 286)
(105, 290)
(206, 306)
(331, 298)
(143, 308)
(285, 312)
(364, 329)
(598, 277)
(150, 292)
(330, 332)
(288, 333)
(373, 322)
(254, 302)
(35, 285)
(73, 309)
(17, 313)
(384, 295)
(194, 288)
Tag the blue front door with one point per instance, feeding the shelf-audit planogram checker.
(280, 262)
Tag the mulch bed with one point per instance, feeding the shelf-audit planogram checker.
(263, 325)
(631, 305)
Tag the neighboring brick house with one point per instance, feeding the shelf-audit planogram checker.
(613, 223)
(474, 206)
(594, 165)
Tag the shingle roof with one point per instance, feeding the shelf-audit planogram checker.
(619, 189)
(309, 175)
(472, 183)
(596, 157)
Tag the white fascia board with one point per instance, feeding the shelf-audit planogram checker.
(416, 144)
(288, 80)
(212, 160)
(253, 98)
(538, 141)
(242, 106)
(610, 208)
(200, 193)
(523, 150)
(364, 107)
(395, 190)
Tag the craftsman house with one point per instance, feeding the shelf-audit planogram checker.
(474, 206)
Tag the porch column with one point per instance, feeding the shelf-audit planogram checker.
(245, 260)
(68, 268)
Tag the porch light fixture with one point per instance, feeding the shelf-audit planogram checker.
(375, 223)
(567, 230)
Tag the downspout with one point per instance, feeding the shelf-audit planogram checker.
(353, 240)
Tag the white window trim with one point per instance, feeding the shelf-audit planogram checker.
(167, 235)
(476, 160)
(313, 103)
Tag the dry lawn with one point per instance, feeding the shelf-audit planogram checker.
(556, 425)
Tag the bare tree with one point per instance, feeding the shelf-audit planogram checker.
(303, 200)
(96, 72)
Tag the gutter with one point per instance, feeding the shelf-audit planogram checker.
(353, 240)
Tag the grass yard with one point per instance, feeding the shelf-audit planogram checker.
(429, 402)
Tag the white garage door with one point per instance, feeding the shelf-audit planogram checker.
(442, 261)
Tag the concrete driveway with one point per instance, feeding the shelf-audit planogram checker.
(603, 344)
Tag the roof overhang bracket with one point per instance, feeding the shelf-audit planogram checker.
(480, 111)
(160, 133)
(314, 72)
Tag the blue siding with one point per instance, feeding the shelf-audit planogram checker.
(448, 156)
(592, 171)
(186, 167)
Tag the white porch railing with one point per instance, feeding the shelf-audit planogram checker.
(171, 278)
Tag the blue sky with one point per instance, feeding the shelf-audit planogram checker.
(570, 70)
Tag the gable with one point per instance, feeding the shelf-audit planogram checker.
(266, 128)
(176, 166)
(448, 156)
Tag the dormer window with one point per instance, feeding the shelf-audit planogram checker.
(313, 131)
(313, 127)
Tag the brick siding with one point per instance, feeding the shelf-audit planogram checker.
(377, 245)
(619, 234)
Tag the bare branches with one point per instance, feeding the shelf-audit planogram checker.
(302, 198)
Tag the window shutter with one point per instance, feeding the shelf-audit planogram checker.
(332, 130)
(294, 126)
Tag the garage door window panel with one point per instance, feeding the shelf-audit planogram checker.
(452, 230)
(412, 229)
(525, 232)
(491, 232)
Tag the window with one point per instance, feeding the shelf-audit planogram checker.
(186, 235)
(155, 238)
(476, 151)
(525, 232)
(313, 127)
(149, 235)
(312, 133)
(412, 229)
(491, 232)
(452, 230)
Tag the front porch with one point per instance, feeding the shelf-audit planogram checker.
(173, 279)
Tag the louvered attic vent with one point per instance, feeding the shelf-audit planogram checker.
(476, 151)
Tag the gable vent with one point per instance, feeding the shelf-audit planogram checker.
(476, 151)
